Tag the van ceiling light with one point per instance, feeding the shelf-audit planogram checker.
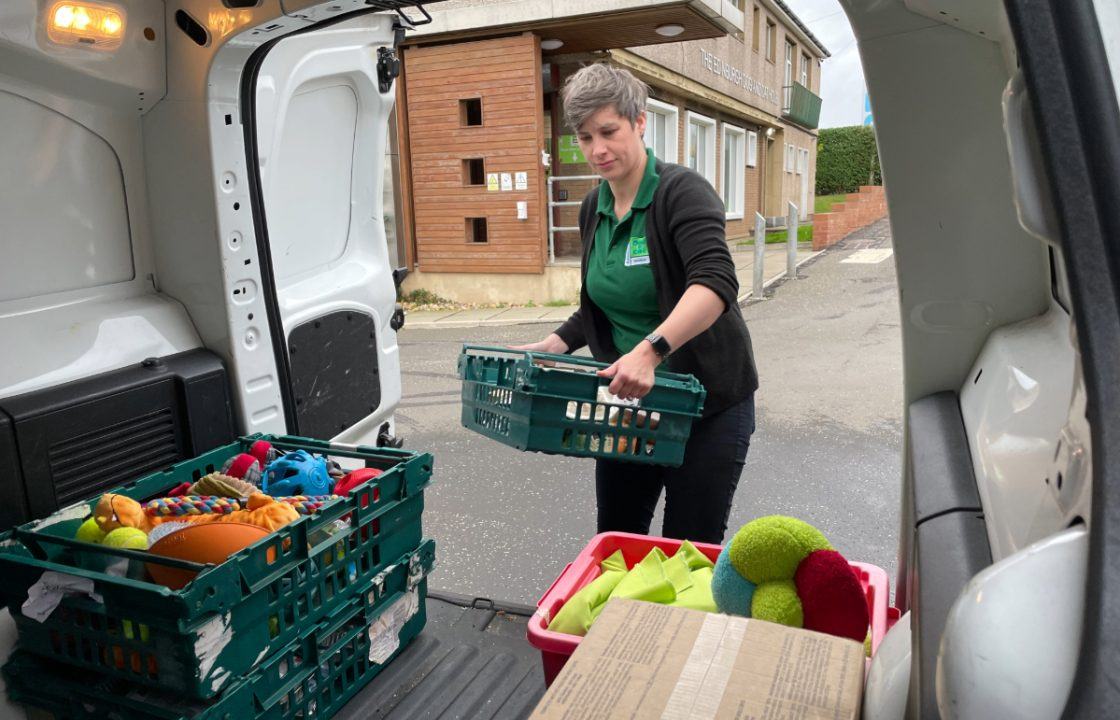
(87, 24)
(670, 30)
(552, 44)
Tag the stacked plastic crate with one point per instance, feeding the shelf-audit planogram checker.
(291, 627)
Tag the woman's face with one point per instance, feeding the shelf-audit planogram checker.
(611, 143)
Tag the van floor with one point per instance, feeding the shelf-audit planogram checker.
(472, 660)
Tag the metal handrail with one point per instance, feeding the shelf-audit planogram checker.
(552, 204)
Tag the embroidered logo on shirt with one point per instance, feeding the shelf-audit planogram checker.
(637, 252)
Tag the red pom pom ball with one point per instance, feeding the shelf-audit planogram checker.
(832, 599)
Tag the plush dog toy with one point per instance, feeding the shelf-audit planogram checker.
(783, 570)
(115, 511)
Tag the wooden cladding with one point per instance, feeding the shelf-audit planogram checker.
(475, 115)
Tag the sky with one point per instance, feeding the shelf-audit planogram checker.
(842, 85)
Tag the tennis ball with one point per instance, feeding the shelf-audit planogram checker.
(771, 547)
(731, 591)
(777, 602)
(89, 532)
(126, 538)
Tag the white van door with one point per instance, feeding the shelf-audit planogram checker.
(320, 113)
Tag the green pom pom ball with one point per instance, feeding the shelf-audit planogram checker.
(126, 538)
(88, 532)
(771, 547)
(777, 602)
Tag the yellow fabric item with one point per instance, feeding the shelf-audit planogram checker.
(575, 616)
(685, 580)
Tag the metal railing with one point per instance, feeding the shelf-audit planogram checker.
(801, 105)
(552, 204)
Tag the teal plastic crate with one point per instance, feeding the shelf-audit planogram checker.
(311, 677)
(196, 640)
(556, 404)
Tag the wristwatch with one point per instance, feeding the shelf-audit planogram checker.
(660, 345)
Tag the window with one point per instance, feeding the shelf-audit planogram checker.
(805, 70)
(802, 161)
(789, 157)
(661, 129)
(470, 112)
(786, 85)
(752, 149)
(476, 230)
(771, 40)
(756, 30)
(474, 172)
(734, 140)
(700, 146)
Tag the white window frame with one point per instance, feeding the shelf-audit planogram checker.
(672, 121)
(708, 126)
(752, 148)
(805, 70)
(734, 211)
(789, 157)
(802, 161)
(787, 86)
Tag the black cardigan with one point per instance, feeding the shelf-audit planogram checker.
(686, 232)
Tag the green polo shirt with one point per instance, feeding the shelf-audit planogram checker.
(619, 276)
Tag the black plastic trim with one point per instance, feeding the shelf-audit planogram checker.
(940, 458)
(1075, 107)
(73, 440)
(13, 497)
(949, 550)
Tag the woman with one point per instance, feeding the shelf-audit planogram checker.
(659, 287)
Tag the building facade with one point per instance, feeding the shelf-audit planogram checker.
(490, 179)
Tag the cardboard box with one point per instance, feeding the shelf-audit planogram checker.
(642, 660)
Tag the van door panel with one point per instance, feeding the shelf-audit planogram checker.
(321, 129)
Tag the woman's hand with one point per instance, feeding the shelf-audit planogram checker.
(551, 344)
(633, 372)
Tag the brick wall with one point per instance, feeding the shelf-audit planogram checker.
(857, 211)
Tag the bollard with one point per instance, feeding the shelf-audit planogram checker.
(759, 255)
(791, 242)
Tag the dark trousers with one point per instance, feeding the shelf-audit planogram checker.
(698, 494)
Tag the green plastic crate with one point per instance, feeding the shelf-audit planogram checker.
(195, 640)
(556, 404)
(313, 676)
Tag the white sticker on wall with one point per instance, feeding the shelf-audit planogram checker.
(507, 182)
(521, 181)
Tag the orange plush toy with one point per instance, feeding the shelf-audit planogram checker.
(114, 511)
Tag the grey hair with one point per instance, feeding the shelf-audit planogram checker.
(600, 85)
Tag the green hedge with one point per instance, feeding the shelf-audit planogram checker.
(847, 157)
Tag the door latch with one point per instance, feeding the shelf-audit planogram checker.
(388, 68)
(388, 439)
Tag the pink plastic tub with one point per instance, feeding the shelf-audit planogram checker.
(557, 647)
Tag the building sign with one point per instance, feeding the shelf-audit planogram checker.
(492, 182)
(735, 76)
(570, 154)
(521, 181)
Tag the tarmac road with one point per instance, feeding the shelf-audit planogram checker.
(827, 448)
